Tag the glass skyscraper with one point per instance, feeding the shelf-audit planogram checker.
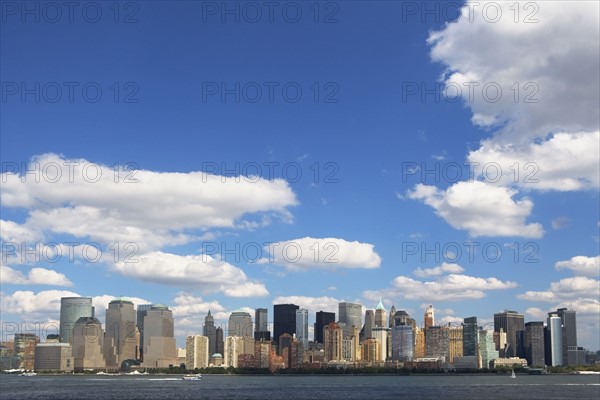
(71, 309)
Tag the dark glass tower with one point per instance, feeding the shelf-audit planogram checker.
(261, 325)
(284, 320)
(534, 344)
(513, 324)
(210, 332)
(470, 341)
(323, 319)
(569, 333)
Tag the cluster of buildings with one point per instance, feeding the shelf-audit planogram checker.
(144, 338)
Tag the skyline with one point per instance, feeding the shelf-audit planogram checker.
(351, 153)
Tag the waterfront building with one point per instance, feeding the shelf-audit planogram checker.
(534, 344)
(160, 350)
(196, 352)
(87, 341)
(54, 357)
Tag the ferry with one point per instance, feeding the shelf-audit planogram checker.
(192, 377)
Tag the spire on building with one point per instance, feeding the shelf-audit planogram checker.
(380, 305)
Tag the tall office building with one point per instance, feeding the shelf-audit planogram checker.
(219, 343)
(141, 311)
(428, 318)
(160, 349)
(391, 316)
(71, 309)
(323, 319)
(196, 352)
(261, 325)
(569, 334)
(554, 355)
(350, 314)
(371, 350)
(209, 331)
(284, 320)
(380, 315)
(302, 327)
(470, 337)
(240, 324)
(381, 335)
(513, 324)
(235, 346)
(436, 343)
(333, 337)
(534, 344)
(419, 335)
(121, 330)
(455, 342)
(285, 348)
(487, 347)
(402, 343)
(87, 340)
(367, 330)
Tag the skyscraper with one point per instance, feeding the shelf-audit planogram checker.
(380, 315)
(323, 319)
(470, 337)
(381, 334)
(367, 329)
(210, 332)
(513, 324)
(554, 344)
(121, 330)
(569, 334)
(219, 343)
(436, 343)
(402, 343)
(141, 311)
(87, 341)
(350, 314)
(261, 325)
(284, 320)
(196, 352)
(428, 318)
(302, 327)
(455, 342)
(160, 350)
(487, 347)
(240, 324)
(333, 337)
(71, 309)
(534, 344)
(25, 344)
(391, 316)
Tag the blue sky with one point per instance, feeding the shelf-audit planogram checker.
(378, 110)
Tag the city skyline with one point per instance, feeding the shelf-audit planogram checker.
(363, 152)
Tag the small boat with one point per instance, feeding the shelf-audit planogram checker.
(193, 377)
(513, 375)
(31, 373)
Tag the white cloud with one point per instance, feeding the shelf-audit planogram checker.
(158, 209)
(36, 276)
(558, 55)
(198, 271)
(449, 287)
(312, 304)
(13, 232)
(326, 253)
(581, 265)
(480, 208)
(568, 289)
(563, 162)
(439, 270)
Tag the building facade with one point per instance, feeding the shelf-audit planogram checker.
(160, 350)
(54, 357)
(196, 352)
(71, 309)
(350, 314)
(284, 320)
(534, 344)
(323, 319)
(513, 324)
